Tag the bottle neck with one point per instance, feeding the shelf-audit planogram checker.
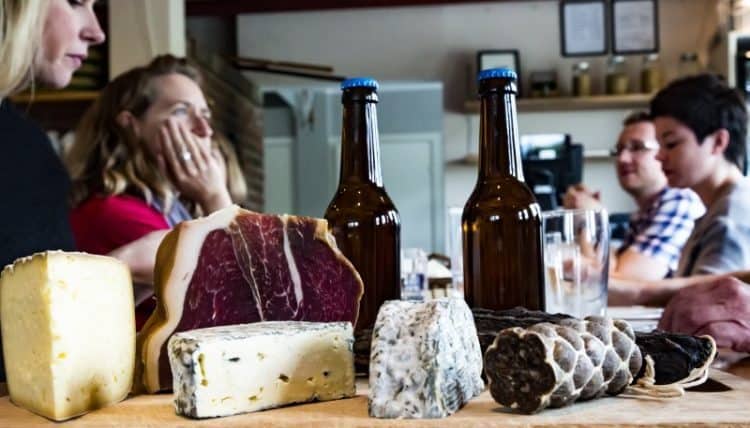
(360, 146)
(499, 149)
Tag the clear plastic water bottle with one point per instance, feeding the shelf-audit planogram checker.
(413, 274)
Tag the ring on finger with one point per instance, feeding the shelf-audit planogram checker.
(187, 156)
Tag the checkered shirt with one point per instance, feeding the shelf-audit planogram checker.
(661, 230)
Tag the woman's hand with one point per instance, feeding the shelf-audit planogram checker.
(140, 256)
(197, 170)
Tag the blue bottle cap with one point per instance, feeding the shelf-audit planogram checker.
(497, 73)
(360, 82)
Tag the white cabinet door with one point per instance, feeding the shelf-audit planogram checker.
(413, 177)
(278, 183)
(302, 167)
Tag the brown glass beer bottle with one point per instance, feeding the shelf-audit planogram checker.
(361, 216)
(501, 222)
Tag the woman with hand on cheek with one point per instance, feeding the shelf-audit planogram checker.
(195, 168)
(145, 158)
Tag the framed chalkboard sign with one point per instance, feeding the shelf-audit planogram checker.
(635, 26)
(583, 28)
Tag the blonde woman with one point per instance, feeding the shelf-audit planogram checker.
(145, 158)
(42, 42)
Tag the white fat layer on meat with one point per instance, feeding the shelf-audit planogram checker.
(251, 281)
(174, 291)
(293, 271)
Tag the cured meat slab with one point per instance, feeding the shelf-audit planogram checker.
(555, 365)
(677, 357)
(236, 267)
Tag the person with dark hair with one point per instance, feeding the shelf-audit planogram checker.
(701, 125)
(664, 218)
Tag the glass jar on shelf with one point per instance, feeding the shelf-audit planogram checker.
(544, 83)
(617, 77)
(651, 74)
(581, 79)
(689, 64)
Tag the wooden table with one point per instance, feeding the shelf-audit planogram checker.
(729, 408)
(737, 364)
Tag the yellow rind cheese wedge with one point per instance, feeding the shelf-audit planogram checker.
(68, 332)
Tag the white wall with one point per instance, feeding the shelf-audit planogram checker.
(142, 29)
(594, 128)
(440, 43)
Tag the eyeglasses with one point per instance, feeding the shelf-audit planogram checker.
(634, 147)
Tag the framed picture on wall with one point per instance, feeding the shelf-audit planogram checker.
(635, 26)
(583, 28)
(500, 58)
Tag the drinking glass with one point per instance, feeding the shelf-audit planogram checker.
(576, 261)
(413, 274)
(455, 248)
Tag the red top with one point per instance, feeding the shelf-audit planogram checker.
(103, 223)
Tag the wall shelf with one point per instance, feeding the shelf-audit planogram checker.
(593, 155)
(54, 97)
(58, 110)
(595, 102)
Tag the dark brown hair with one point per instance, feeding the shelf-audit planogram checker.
(636, 117)
(705, 104)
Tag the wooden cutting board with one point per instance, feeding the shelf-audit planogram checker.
(729, 408)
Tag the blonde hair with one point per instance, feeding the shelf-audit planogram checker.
(109, 159)
(21, 23)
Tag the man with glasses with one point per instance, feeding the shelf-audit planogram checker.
(665, 216)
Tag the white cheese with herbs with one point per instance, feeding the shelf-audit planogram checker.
(425, 360)
(68, 331)
(223, 371)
